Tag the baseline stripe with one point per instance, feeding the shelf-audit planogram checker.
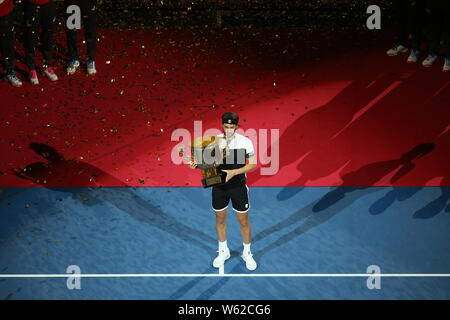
(178, 275)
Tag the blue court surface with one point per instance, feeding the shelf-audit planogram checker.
(161, 231)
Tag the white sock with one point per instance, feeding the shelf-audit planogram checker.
(223, 245)
(246, 247)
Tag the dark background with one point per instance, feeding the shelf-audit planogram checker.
(258, 13)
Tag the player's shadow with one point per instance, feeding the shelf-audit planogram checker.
(374, 172)
(371, 173)
(237, 269)
(58, 171)
(288, 192)
(340, 197)
(434, 207)
(85, 175)
(308, 132)
(190, 284)
(320, 155)
(395, 194)
(142, 210)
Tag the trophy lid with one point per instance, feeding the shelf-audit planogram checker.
(203, 141)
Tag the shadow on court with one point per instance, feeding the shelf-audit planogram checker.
(123, 198)
(57, 170)
(341, 197)
(442, 203)
(127, 201)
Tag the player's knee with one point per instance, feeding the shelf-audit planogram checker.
(220, 221)
(243, 220)
(221, 217)
(244, 224)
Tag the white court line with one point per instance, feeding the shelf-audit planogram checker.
(214, 275)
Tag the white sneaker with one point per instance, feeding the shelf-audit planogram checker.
(250, 263)
(413, 56)
(221, 258)
(395, 50)
(91, 68)
(50, 73)
(72, 67)
(33, 77)
(446, 67)
(429, 60)
(14, 80)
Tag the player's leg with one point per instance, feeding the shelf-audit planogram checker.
(221, 224)
(31, 16)
(446, 67)
(246, 228)
(417, 22)
(220, 201)
(241, 204)
(89, 11)
(7, 47)
(400, 16)
(436, 21)
(48, 20)
(72, 39)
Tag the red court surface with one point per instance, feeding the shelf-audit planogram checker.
(347, 114)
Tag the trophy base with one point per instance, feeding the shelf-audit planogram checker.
(212, 181)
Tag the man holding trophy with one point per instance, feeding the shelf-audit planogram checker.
(224, 160)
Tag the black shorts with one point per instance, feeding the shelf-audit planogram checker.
(237, 192)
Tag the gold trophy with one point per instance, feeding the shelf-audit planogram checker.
(209, 152)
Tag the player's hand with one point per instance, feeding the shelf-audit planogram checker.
(192, 164)
(230, 174)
